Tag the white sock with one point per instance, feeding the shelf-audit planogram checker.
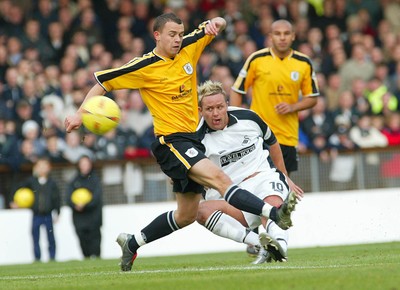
(139, 239)
(226, 226)
(282, 236)
(266, 210)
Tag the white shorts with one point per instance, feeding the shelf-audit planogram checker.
(262, 185)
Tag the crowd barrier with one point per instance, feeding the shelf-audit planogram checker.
(141, 180)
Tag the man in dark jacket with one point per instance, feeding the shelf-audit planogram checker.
(46, 201)
(87, 211)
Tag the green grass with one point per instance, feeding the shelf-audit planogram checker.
(371, 266)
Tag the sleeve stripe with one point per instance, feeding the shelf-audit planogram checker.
(308, 61)
(192, 37)
(263, 53)
(114, 73)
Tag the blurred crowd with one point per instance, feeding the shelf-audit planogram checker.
(49, 50)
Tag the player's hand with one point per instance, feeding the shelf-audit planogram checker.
(73, 122)
(297, 189)
(215, 26)
(283, 108)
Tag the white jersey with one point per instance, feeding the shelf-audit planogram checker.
(241, 148)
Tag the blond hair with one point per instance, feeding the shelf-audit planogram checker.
(210, 88)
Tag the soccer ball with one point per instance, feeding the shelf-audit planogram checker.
(100, 114)
(81, 196)
(24, 197)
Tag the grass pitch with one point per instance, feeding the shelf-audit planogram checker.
(370, 266)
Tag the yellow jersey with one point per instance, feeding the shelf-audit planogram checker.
(274, 80)
(168, 86)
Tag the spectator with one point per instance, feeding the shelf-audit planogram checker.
(52, 108)
(33, 38)
(340, 140)
(111, 145)
(14, 18)
(57, 42)
(12, 92)
(79, 48)
(54, 149)
(52, 76)
(3, 63)
(392, 129)
(358, 66)
(138, 116)
(359, 91)
(89, 140)
(364, 135)
(391, 12)
(73, 150)
(87, 217)
(66, 87)
(8, 146)
(46, 203)
(88, 23)
(45, 14)
(346, 115)
(318, 127)
(27, 153)
(31, 96)
(31, 131)
(332, 91)
(23, 114)
(382, 101)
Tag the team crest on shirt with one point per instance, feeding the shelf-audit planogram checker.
(246, 140)
(294, 75)
(188, 68)
(191, 152)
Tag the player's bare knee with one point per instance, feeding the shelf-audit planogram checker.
(274, 200)
(186, 219)
(202, 214)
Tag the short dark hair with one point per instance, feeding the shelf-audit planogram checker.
(161, 20)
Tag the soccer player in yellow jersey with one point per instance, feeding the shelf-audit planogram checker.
(276, 75)
(166, 78)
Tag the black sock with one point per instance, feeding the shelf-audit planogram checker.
(160, 227)
(272, 214)
(244, 200)
(133, 245)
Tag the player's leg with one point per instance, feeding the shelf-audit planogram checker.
(224, 220)
(290, 157)
(208, 174)
(275, 189)
(175, 154)
(161, 226)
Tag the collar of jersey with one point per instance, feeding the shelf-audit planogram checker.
(274, 56)
(232, 120)
(163, 58)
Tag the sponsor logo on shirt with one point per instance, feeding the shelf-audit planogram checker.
(235, 156)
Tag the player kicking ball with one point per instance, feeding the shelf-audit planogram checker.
(245, 148)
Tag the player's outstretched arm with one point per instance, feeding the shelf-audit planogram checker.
(235, 99)
(215, 26)
(73, 122)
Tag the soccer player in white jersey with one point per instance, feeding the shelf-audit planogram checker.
(246, 149)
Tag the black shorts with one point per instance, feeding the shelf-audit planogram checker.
(176, 154)
(290, 157)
